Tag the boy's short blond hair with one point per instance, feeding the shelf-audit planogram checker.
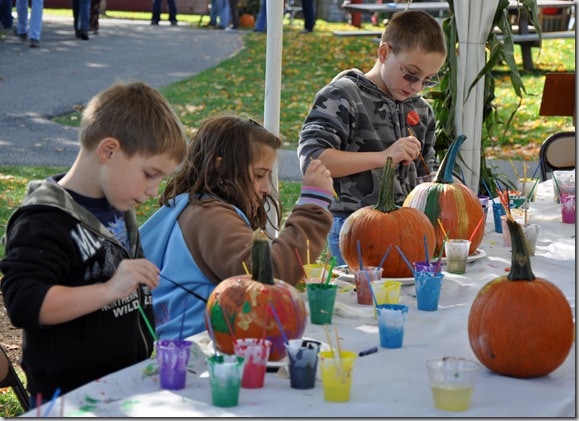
(138, 116)
(414, 30)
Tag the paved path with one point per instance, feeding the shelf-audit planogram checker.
(38, 84)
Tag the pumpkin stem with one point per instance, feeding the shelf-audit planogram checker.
(444, 173)
(261, 264)
(386, 195)
(520, 263)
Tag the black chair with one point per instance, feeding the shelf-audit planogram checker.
(557, 153)
(9, 378)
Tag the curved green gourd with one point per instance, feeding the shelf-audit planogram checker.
(386, 194)
(261, 264)
(520, 261)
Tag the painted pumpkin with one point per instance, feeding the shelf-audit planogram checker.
(455, 204)
(242, 304)
(246, 20)
(387, 225)
(519, 325)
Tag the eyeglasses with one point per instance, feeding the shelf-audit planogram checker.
(412, 78)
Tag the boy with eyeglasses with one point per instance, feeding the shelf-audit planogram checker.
(359, 119)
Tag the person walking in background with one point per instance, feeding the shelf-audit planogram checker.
(73, 270)
(309, 16)
(234, 13)
(219, 10)
(6, 20)
(81, 15)
(359, 119)
(95, 11)
(261, 22)
(211, 208)
(33, 31)
(171, 8)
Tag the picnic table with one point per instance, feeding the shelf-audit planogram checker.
(524, 36)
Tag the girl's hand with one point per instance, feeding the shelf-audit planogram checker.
(317, 175)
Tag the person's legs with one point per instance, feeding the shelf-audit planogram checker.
(225, 14)
(234, 13)
(261, 23)
(75, 9)
(6, 13)
(36, 19)
(309, 15)
(334, 239)
(172, 11)
(95, 9)
(22, 12)
(156, 12)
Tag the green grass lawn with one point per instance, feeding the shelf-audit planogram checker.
(237, 85)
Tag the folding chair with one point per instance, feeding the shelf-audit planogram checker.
(9, 378)
(557, 153)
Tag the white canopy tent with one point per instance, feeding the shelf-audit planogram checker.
(473, 17)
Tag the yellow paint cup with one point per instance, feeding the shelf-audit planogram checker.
(386, 292)
(337, 374)
(315, 272)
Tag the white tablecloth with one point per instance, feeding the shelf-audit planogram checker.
(389, 383)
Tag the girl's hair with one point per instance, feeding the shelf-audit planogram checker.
(139, 117)
(238, 143)
(414, 30)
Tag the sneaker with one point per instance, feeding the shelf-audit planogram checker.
(173, 23)
(34, 43)
(82, 34)
(154, 22)
(305, 31)
(23, 37)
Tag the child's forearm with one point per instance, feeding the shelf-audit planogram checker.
(62, 304)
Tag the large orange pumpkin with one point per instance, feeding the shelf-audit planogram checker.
(455, 204)
(245, 301)
(520, 325)
(386, 225)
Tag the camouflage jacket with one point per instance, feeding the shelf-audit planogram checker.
(352, 114)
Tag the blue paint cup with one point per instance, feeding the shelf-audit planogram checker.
(391, 322)
(498, 211)
(428, 287)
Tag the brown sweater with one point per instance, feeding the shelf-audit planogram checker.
(220, 240)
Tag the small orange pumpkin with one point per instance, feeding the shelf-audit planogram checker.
(246, 20)
(519, 325)
(383, 225)
(242, 304)
(455, 204)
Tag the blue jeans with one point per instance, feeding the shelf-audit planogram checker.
(219, 9)
(261, 22)
(334, 239)
(36, 9)
(157, 10)
(81, 13)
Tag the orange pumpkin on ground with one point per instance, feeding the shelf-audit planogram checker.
(246, 20)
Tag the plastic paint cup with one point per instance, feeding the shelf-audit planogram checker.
(527, 185)
(391, 322)
(531, 233)
(386, 292)
(321, 300)
(567, 207)
(425, 267)
(172, 359)
(315, 272)
(337, 375)
(303, 362)
(498, 211)
(427, 287)
(563, 182)
(256, 354)
(225, 373)
(456, 255)
(452, 382)
(363, 293)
